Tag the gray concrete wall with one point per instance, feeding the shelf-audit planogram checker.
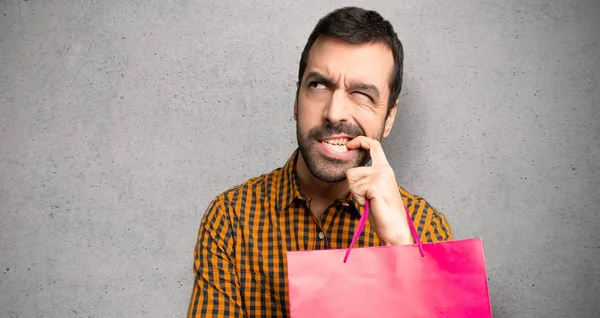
(120, 120)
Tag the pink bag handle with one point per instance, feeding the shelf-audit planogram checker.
(363, 220)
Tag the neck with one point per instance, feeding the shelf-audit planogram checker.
(316, 189)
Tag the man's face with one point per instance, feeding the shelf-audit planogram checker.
(343, 94)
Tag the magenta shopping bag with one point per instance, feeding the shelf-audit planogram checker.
(445, 279)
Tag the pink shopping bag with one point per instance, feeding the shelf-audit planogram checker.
(445, 279)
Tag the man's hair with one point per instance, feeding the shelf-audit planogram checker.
(359, 26)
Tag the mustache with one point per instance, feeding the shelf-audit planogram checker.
(327, 129)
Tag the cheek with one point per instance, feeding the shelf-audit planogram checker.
(306, 116)
(369, 122)
(309, 110)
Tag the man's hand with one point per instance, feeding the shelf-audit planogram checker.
(378, 184)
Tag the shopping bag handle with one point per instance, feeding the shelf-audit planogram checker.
(363, 220)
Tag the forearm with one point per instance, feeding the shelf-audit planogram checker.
(216, 291)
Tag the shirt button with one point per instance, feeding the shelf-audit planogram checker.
(321, 235)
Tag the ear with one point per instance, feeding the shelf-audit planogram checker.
(296, 101)
(389, 121)
(296, 109)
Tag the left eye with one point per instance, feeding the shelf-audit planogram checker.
(362, 95)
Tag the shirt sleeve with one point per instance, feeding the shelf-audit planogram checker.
(216, 291)
(436, 227)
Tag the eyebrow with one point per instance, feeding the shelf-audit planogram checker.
(316, 76)
(365, 87)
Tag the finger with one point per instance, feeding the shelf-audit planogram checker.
(358, 173)
(359, 197)
(361, 190)
(372, 145)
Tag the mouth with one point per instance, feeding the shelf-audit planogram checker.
(337, 145)
(334, 147)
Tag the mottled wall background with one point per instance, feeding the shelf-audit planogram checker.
(120, 120)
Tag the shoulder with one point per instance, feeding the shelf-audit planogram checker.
(430, 222)
(252, 190)
(255, 186)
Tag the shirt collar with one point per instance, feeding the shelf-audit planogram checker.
(289, 188)
(287, 185)
(358, 209)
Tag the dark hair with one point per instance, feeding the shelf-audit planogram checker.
(358, 26)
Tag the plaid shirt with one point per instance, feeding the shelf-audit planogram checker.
(240, 256)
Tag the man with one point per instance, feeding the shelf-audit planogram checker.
(349, 81)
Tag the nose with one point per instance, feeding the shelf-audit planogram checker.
(337, 109)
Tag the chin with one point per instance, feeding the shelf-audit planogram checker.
(328, 170)
(330, 178)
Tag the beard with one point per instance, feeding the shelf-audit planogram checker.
(322, 167)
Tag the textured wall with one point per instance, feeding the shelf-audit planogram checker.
(120, 120)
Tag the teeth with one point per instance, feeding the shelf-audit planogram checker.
(336, 145)
(337, 142)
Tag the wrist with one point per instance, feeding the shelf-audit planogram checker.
(402, 238)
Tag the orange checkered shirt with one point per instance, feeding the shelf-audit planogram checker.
(240, 256)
